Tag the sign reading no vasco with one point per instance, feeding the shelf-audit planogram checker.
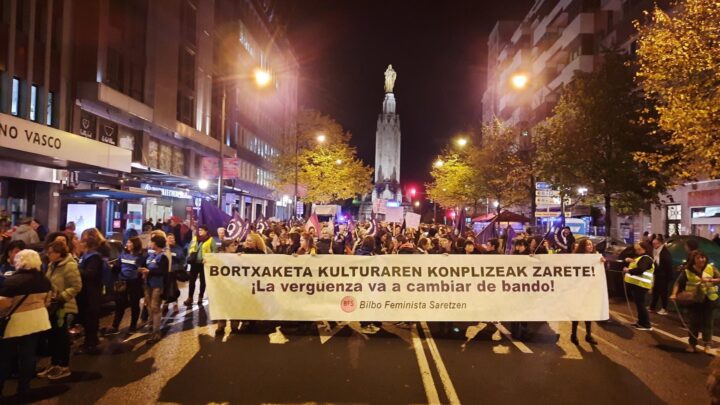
(27, 136)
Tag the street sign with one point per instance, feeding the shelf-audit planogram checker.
(547, 193)
(541, 185)
(545, 214)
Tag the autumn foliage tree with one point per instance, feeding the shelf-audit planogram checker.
(679, 69)
(326, 171)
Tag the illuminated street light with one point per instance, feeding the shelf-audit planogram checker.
(439, 163)
(462, 142)
(582, 190)
(321, 138)
(203, 184)
(262, 77)
(519, 81)
(417, 204)
(339, 161)
(496, 203)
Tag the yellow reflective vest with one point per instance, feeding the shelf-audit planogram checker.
(694, 282)
(644, 280)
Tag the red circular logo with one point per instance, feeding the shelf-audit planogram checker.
(347, 304)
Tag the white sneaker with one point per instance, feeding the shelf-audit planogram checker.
(49, 369)
(58, 373)
(662, 312)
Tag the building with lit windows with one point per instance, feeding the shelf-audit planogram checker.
(130, 92)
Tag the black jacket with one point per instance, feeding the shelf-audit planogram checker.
(24, 282)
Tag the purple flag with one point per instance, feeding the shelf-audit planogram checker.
(213, 217)
(486, 234)
(510, 233)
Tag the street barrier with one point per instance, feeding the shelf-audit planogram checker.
(407, 287)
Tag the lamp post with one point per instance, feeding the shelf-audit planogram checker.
(262, 79)
(520, 82)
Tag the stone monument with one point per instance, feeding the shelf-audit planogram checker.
(387, 151)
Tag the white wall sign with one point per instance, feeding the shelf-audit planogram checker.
(26, 136)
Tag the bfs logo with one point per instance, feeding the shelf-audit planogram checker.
(347, 304)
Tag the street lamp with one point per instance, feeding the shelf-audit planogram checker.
(461, 142)
(321, 138)
(262, 79)
(417, 204)
(519, 80)
(203, 184)
(439, 163)
(338, 162)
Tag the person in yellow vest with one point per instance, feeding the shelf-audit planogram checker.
(639, 280)
(701, 278)
(201, 244)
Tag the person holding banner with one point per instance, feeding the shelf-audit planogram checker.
(585, 246)
(200, 245)
(639, 280)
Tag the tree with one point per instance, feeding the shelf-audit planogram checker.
(326, 171)
(679, 69)
(503, 166)
(454, 179)
(494, 169)
(596, 129)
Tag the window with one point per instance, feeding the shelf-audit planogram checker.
(187, 69)
(137, 81)
(187, 22)
(114, 69)
(49, 118)
(186, 104)
(15, 105)
(33, 103)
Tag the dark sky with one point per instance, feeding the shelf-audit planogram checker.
(437, 48)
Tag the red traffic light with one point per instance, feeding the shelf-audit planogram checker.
(413, 191)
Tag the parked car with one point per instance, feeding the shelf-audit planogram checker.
(676, 246)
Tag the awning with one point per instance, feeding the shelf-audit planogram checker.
(109, 193)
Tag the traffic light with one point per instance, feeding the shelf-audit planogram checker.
(412, 192)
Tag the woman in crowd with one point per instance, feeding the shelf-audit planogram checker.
(177, 265)
(367, 247)
(7, 263)
(89, 300)
(701, 279)
(424, 245)
(154, 273)
(584, 246)
(324, 244)
(66, 283)
(200, 245)
(129, 288)
(25, 294)
(638, 280)
(307, 244)
(470, 248)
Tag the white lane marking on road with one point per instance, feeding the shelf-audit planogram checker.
(471, 332)
(572, 352)
(425, 374)
(444, 376)
(685, 340)
(520, 345)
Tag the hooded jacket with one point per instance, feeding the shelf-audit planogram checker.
(26, 234)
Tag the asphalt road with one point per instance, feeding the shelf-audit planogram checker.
(425, 363)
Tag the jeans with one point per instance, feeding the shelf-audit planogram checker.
(195, 271)
(701, 320)
(152, 302)
(60, 341)
(19, 350)
(638, 296)
(660, 292)
(130, 297)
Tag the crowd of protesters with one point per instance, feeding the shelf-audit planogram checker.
(55, 289)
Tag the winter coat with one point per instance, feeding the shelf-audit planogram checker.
(31, 316)
(26, 234)
(66, 282)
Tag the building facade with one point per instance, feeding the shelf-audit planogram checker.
(141, 82)
(556, 39)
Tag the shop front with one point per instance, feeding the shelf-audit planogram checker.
(38, 162)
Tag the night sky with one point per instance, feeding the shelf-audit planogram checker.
(437, 48)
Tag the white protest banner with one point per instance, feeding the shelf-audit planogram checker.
(412, 220)
(394, 214)
(407, 287)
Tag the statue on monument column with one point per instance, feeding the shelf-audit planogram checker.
(390, 76)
